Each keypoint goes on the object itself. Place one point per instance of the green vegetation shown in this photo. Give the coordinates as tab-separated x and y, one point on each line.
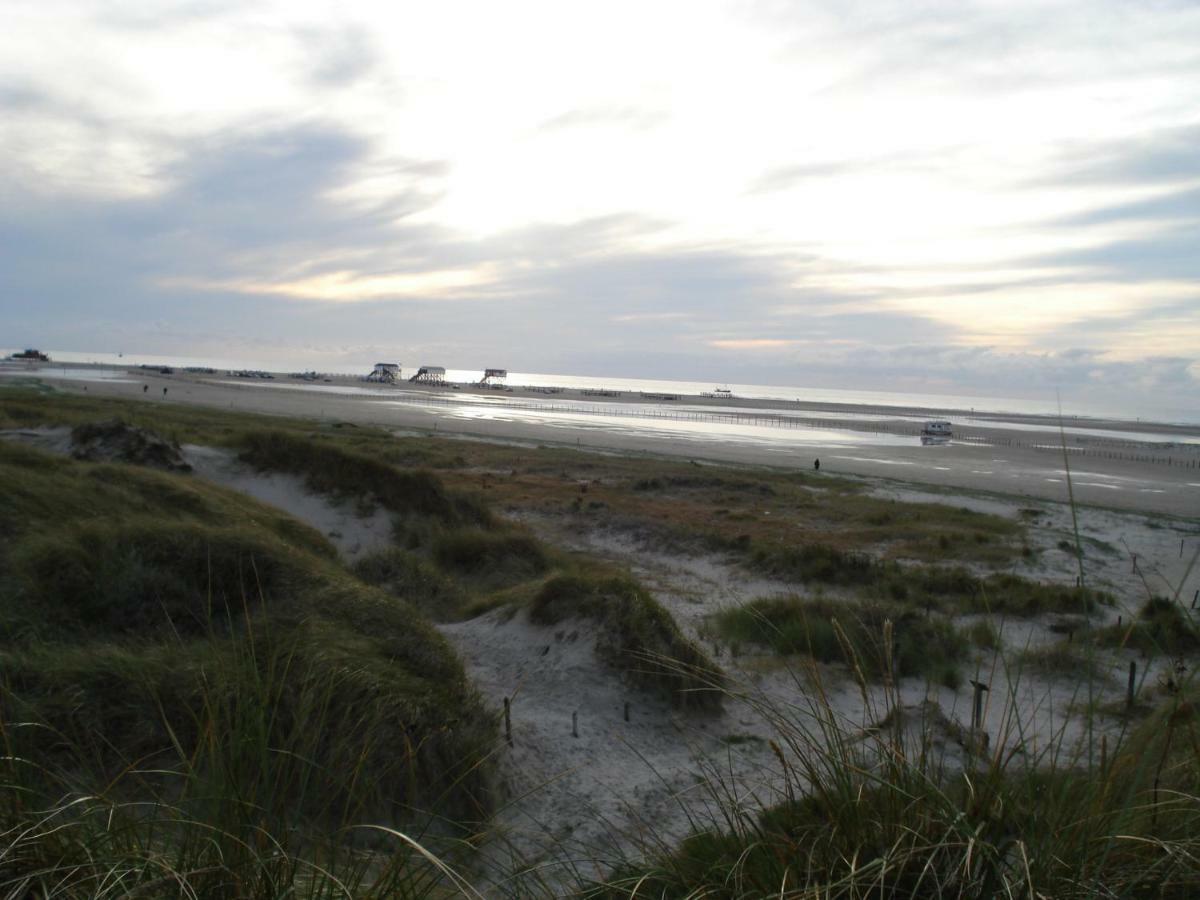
1002	833
197	699
413	578
193	607
636	634
951	589
331	469
852	633
1064	659
1162	627
494	560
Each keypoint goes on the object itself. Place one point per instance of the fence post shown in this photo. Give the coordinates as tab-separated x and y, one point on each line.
977	710
1129	689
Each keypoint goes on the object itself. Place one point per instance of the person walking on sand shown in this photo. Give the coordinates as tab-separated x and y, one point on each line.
145	387
164	392
817	465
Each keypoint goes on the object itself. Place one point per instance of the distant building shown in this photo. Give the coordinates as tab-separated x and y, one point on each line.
493	377
385	373
32	356
430	375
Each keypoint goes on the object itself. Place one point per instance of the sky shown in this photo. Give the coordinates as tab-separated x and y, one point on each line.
994	198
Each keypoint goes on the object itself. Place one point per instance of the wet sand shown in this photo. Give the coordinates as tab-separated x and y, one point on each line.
1112	462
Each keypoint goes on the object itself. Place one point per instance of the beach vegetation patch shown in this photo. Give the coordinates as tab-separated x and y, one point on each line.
1162	626
853	633
636	635
415	579
156	622
331	469
949	588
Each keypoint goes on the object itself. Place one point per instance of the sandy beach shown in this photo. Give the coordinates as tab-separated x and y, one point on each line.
1136	466
596	765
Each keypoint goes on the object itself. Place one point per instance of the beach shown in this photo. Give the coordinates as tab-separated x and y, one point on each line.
1136	466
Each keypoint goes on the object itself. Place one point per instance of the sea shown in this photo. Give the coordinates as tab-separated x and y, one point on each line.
1171	410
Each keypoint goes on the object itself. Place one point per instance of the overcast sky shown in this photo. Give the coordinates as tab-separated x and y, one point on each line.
996	197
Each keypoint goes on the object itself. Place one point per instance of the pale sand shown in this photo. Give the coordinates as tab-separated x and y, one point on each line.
619	781
1118	483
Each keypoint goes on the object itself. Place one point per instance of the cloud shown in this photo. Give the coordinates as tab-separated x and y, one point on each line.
632	117
337	57
754	343
1168	207
1162	156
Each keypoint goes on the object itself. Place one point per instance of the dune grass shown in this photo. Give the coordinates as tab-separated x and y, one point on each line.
1162	627
636	634
851	633
948	588
142	598
162	739
331	469
880	814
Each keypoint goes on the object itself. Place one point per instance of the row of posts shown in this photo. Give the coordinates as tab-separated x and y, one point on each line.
793	422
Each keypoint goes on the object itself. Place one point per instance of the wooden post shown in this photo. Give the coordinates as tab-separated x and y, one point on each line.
977	711
508	721
626	710
575	724
1132	680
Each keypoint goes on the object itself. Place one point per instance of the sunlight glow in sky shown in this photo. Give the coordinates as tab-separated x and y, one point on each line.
1009	190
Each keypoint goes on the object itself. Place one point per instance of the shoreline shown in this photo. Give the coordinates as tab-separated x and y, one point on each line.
869	441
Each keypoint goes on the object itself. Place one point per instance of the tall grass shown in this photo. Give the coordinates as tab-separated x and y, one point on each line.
852	633
635	634
922	807
332	469
262	790
948	588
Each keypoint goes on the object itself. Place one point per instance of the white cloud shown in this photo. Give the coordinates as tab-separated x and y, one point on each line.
959	164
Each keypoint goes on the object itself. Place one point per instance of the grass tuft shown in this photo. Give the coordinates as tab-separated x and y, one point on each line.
331	469
636	635
926	646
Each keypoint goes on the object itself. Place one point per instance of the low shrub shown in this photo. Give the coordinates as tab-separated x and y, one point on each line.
415	579
1162	627
331	469
637	635
928	646
950	588
490	559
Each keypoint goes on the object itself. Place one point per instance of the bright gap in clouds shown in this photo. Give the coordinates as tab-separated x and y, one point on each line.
640	178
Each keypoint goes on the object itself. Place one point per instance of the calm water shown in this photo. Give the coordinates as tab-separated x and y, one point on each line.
743	392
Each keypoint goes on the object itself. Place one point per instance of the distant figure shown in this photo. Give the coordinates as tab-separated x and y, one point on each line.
145	387
164	392
817	465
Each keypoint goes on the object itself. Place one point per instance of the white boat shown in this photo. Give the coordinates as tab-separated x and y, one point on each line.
719	394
